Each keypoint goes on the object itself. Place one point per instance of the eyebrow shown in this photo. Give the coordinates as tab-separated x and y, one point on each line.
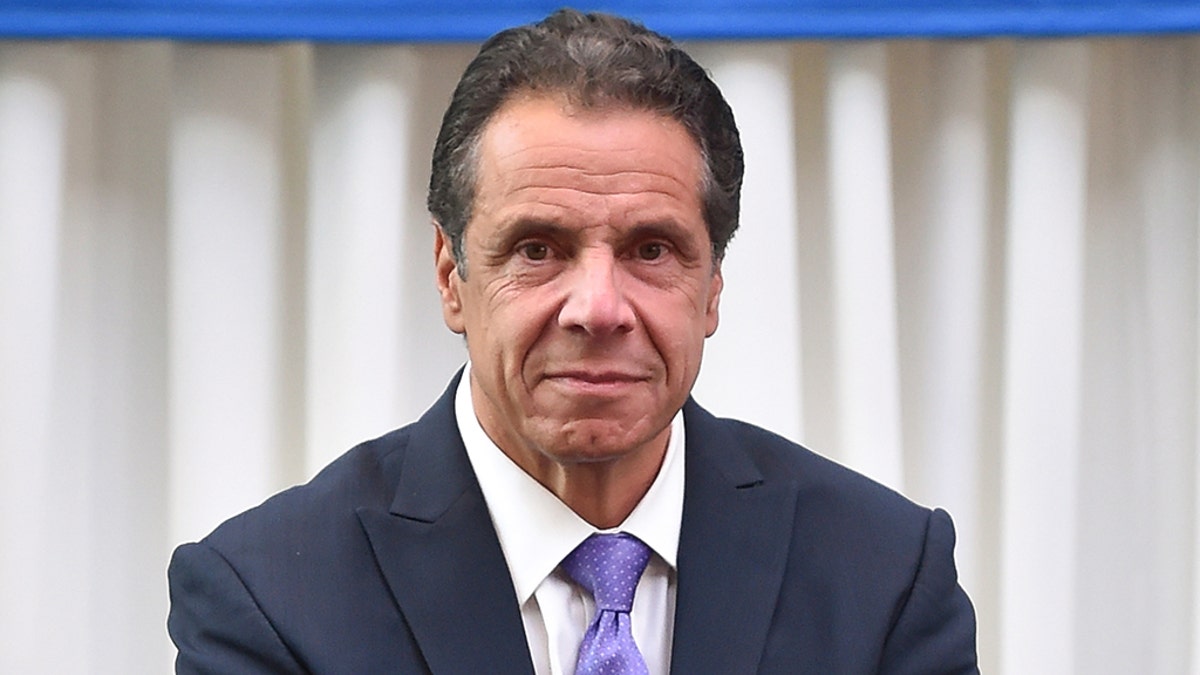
517	229
668	229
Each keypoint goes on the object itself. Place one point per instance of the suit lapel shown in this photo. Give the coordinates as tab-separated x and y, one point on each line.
733	549
439	553
442	561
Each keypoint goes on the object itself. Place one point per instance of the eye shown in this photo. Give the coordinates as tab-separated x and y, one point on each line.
534	250
652	250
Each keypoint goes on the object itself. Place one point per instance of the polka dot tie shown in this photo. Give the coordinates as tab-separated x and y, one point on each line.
609	566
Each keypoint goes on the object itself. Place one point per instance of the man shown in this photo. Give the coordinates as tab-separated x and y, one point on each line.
585	184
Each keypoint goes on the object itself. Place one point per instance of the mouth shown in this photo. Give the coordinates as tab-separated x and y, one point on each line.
595	381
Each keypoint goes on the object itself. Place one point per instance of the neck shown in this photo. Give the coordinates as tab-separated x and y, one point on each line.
600	482
603	493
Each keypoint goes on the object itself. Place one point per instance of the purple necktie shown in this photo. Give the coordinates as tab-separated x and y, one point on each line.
609	566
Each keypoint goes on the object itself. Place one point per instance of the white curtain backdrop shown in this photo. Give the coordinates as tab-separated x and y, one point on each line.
968	269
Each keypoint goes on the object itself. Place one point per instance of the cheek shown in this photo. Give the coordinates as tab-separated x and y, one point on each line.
515	325
676	326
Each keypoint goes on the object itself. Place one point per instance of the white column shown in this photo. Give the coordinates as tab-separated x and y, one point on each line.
360	161
864	290
1161	402
1192	102
752	365
82	396
431	353
374	360
33	122
818	341
227	295
946	276
1042	355
127	299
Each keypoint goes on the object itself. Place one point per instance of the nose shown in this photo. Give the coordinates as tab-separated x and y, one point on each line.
596	301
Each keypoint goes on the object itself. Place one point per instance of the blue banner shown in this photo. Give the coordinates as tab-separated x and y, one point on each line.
473	20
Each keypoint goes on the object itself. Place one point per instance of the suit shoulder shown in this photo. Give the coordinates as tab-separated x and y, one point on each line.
294	575
839	492
871	570
364	476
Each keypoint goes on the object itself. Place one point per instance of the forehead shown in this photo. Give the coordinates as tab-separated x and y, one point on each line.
547	145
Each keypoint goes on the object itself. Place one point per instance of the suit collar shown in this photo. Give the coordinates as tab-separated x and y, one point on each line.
439	554
733	548
443	563
436	471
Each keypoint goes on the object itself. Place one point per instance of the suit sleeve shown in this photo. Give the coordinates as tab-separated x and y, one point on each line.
934	632
216	623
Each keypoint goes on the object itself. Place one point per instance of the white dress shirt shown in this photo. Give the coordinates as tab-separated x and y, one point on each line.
537	531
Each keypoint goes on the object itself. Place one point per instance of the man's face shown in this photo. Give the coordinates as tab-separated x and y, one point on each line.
590	281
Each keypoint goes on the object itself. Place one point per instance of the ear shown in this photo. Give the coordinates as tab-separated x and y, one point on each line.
449	283
714	300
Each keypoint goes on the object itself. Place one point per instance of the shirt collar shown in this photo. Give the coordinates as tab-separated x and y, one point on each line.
536	529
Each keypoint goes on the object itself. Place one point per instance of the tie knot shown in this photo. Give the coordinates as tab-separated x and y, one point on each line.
609	566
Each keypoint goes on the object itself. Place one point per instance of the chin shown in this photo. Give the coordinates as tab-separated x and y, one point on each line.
590	441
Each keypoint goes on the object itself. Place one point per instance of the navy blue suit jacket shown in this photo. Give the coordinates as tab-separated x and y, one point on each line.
387	562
